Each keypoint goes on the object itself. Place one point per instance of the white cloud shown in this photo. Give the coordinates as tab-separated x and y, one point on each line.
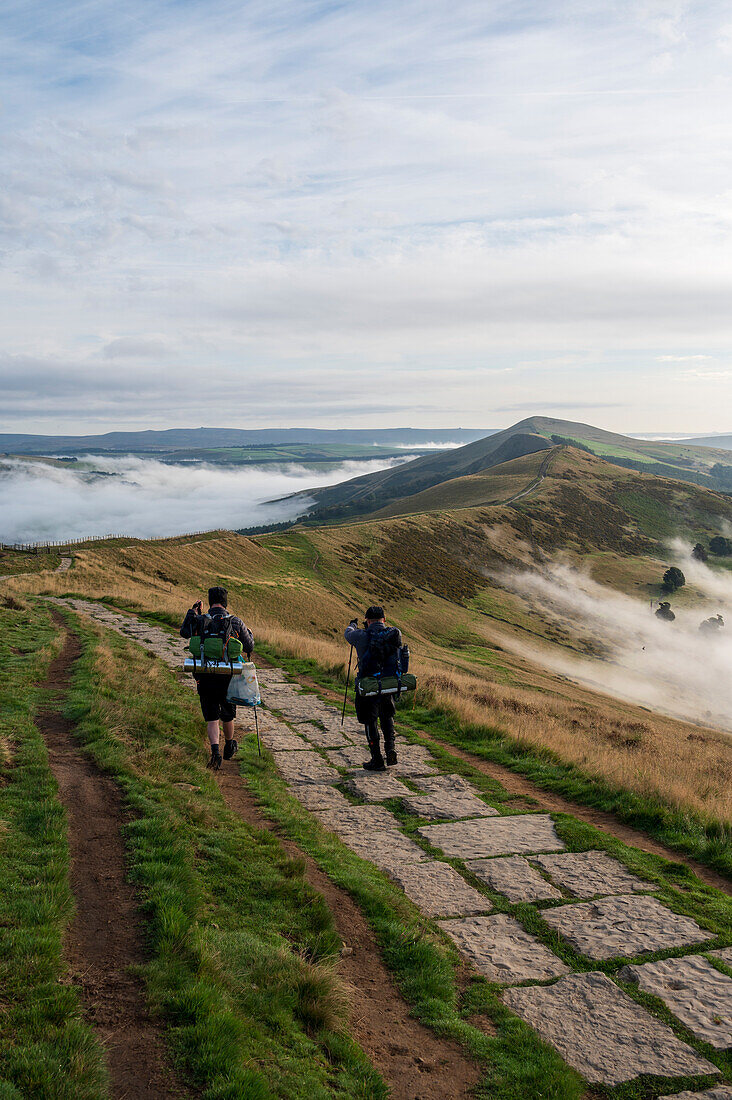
270	189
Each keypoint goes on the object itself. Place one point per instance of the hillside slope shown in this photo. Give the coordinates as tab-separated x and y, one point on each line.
498	484
365	494
497	654
373	493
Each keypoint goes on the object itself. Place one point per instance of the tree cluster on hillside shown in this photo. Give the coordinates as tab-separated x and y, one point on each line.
720	546
673	578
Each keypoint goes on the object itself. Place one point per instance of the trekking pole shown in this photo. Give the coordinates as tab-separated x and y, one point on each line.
348	679
256	726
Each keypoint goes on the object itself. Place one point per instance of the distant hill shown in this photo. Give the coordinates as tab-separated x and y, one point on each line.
391	490
720	441
372	491
172	439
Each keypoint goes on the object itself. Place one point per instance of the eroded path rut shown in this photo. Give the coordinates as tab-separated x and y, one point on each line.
104	941
595	907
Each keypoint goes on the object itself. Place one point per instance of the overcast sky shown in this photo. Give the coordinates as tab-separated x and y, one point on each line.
379	212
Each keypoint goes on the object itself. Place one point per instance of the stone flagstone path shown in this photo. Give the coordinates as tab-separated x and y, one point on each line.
595	1026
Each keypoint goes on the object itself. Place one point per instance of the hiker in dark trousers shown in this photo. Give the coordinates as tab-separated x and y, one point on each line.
376	710
212	687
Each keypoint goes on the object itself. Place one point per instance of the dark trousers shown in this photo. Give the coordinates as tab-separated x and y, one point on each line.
374	711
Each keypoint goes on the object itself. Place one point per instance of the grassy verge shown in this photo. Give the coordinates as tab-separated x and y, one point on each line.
47	1050
242	950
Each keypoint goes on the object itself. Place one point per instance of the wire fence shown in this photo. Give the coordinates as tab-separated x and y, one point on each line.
48	547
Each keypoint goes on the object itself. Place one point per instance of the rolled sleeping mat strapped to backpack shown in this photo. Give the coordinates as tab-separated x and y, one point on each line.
244	687
367	686
213	659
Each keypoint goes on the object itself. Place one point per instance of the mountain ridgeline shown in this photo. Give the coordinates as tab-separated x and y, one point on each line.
460	474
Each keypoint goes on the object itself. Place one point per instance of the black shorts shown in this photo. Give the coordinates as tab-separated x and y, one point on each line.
212	693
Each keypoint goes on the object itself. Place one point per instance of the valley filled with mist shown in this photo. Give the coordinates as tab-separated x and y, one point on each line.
143	497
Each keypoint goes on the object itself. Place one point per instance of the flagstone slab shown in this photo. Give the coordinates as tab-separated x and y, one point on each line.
623	926
602	1033
694	990
721	1092
413	759
324	739
587	874
441	804
304	767
282	740
376	786
385	848
724	953
319	796
514	877
348	818
446	781
503	951
495	836
439	891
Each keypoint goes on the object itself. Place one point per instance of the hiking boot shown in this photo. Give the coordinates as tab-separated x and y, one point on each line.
391	757
229	749
215	760
375	764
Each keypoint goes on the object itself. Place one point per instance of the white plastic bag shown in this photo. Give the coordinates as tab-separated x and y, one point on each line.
244	689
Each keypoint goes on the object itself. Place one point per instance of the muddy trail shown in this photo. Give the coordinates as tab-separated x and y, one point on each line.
104	940
415	1063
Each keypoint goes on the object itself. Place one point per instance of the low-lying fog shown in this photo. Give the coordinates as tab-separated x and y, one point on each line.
143	497
672	667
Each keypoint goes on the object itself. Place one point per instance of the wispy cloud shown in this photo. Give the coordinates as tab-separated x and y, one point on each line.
277	189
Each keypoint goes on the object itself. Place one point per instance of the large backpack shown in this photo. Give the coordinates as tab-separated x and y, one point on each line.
214	641
383	652
382	668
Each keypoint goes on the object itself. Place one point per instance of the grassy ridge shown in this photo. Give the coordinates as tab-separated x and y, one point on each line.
47	1050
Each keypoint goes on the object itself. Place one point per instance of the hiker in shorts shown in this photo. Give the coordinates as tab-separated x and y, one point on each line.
212	687
377	647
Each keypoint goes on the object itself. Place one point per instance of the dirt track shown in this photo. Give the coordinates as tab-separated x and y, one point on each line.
104	939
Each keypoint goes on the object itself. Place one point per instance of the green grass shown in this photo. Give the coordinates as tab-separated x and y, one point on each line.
241	949
47	1050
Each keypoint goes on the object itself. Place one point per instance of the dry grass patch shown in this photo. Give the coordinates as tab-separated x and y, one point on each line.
687	769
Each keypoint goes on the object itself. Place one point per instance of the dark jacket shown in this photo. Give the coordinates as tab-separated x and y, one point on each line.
193	622
360	640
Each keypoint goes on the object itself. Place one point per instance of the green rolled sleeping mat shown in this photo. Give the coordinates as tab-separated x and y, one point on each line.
213	649
367	686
